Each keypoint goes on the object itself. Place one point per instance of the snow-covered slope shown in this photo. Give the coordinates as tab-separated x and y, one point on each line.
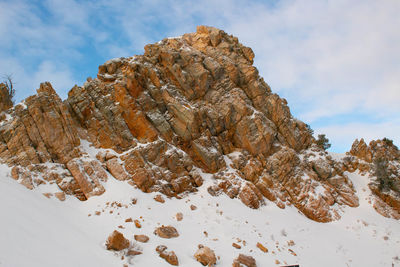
37	231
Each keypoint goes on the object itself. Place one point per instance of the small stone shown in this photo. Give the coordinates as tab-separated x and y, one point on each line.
141	238
137	224
179	216
236	246
133	253
129	220
166	232
48	195
205	256
117	241
245	260
159	198
292	252
97	213
193	207
262	248
60	196
170	256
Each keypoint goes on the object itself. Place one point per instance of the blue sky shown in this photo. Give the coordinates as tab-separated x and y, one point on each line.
336	62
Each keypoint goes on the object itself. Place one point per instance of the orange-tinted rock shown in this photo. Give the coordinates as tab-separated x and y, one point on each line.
262	248
189	104
169	256
60	196
205	256
141	238
159	198
87	174
117	241
137	224
236	246
248	261
179	216
166	232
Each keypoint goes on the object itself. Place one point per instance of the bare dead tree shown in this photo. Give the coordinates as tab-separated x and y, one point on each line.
7	92
8	82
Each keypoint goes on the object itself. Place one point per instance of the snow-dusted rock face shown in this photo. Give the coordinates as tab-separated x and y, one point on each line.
381	161
189	105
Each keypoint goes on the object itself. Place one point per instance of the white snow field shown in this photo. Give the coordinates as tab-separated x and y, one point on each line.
37	231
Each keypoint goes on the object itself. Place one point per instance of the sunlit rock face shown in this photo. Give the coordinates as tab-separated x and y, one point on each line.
190	104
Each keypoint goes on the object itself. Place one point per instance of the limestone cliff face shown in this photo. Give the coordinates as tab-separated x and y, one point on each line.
190	104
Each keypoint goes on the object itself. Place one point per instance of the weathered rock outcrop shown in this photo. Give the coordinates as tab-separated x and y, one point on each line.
190	104
381	161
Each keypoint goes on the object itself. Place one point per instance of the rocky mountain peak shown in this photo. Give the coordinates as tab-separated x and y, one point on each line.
190	105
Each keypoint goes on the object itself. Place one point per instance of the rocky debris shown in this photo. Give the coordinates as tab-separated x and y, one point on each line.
88	175
261	247
60	196
128	220
193	207
159	198
179	216
205	256
166	232
137	224
141	238
245	260
236	246
132	252
169	256
117	241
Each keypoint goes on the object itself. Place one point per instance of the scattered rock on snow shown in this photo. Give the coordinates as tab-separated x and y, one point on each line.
137	224
169	256
117	241
166	232
261	247
159	198
245	260
179	216
205	256
141	238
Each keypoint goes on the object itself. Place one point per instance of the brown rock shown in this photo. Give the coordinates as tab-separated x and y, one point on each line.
262	248
236	246
137	224
245	260
141	238
205	256
133	252
188	101
251	196
87	174
60	196
179	216
129	220
117	241
166	232
159	198
116	169
193	207
170	256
